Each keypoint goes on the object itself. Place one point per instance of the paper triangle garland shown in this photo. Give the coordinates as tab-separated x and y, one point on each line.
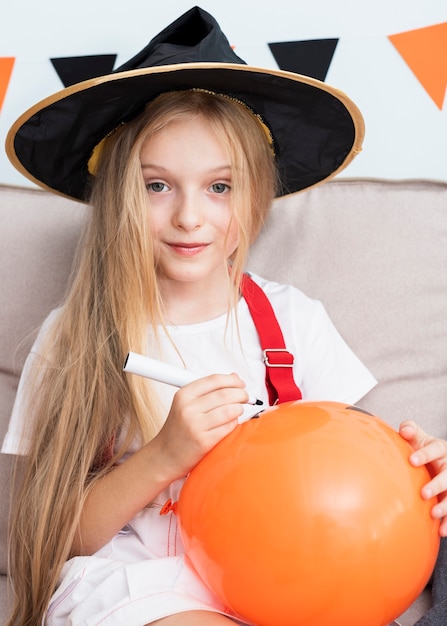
424	50
311	57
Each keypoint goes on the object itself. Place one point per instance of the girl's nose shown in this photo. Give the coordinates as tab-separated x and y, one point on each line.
188	215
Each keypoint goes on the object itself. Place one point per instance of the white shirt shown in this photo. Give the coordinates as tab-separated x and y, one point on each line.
325	368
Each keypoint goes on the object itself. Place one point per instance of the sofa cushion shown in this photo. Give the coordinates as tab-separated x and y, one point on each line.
39	234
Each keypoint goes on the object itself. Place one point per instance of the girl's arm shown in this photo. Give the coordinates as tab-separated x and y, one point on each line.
202	413
433	453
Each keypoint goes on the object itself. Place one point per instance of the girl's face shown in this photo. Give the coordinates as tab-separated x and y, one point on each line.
187	173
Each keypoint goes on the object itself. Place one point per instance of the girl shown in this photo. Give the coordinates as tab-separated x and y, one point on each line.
178	192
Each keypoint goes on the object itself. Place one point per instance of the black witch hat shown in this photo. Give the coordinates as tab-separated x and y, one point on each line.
317	130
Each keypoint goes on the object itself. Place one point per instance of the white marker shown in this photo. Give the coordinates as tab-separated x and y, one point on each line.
164	373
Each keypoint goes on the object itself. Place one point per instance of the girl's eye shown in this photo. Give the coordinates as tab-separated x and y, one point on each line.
219	188
157	187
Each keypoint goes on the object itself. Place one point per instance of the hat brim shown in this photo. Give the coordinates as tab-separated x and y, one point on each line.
317	129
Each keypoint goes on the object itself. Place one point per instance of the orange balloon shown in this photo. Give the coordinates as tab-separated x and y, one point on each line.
310	515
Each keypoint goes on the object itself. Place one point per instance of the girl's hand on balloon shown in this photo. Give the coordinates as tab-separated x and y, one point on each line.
202	413
431	452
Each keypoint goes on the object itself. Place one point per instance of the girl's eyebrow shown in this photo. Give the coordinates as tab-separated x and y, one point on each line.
156	166
145	166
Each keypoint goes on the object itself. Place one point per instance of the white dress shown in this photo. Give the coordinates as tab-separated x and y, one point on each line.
141	574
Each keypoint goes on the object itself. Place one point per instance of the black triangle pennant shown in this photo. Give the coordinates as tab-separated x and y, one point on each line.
73	70
311	58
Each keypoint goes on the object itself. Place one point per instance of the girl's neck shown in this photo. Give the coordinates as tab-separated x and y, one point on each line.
192	303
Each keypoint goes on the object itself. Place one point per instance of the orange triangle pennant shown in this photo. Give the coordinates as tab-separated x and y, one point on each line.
6	65
425	52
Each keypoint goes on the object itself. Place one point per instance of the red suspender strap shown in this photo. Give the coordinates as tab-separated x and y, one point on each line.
278	361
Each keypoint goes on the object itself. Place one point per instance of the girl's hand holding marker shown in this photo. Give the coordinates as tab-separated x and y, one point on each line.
178	377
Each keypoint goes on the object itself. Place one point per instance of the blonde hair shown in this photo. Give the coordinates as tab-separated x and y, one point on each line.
82	400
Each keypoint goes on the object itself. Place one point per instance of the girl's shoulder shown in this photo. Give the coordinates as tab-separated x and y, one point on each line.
45	328
284	293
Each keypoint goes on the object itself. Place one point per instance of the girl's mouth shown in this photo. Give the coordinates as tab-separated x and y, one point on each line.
188	249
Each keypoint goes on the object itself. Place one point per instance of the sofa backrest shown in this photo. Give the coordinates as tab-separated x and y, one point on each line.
374	252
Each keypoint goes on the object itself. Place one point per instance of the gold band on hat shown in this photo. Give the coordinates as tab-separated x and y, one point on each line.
92	163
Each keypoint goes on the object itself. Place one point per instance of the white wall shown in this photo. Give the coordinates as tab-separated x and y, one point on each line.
406	133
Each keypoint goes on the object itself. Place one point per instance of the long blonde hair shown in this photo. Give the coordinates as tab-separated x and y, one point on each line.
81	399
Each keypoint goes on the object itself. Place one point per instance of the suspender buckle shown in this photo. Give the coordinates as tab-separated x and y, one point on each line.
278	357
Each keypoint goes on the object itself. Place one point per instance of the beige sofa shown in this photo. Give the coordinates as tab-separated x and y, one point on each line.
374	252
